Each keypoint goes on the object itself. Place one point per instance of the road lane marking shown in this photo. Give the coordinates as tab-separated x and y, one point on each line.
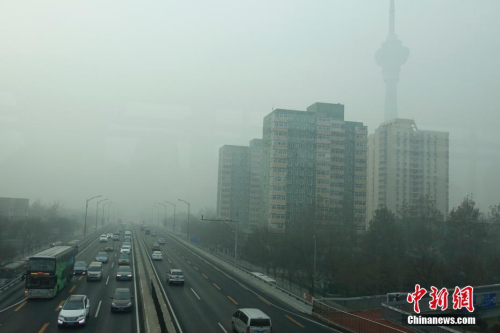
107	280
44	327
112	264
189	262
72	289
243	286
98	307
13	305
228	276
264	300
216	286
169	260
196	268
20	306
294	321
195	294
222	328
232	300
80	278
206	277
59	306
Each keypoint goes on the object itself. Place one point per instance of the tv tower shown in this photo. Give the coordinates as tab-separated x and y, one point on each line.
391	56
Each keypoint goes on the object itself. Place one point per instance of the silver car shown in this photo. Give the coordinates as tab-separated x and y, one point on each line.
74	312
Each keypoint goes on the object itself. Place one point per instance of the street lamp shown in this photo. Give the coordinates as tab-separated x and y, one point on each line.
165	206
103	209
173	228
314	269
97	212
189	212
235	233
86	209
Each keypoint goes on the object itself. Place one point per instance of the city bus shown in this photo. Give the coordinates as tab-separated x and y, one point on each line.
49	272
11	272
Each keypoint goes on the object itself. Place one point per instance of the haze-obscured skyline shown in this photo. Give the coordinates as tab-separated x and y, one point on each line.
133	100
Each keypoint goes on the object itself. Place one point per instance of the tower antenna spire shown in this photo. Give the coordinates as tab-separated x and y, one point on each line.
392	29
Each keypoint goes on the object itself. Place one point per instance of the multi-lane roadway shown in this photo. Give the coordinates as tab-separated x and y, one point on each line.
40	315
205	303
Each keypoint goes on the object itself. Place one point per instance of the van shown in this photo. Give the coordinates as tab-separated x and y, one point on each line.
251	321
128	233
94	271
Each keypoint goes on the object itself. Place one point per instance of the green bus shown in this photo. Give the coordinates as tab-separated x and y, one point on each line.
49	271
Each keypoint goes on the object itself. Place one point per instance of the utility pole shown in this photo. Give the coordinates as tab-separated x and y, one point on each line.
235	231
86	209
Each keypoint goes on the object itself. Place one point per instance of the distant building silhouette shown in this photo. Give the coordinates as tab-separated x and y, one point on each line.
391	56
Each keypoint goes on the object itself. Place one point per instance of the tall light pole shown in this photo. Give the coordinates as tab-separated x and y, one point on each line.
86	209
103	209
164	206
173	228
235	233
189	212
314	268
97	211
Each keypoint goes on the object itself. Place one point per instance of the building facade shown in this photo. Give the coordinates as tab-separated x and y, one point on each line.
14	208
313	168
406	164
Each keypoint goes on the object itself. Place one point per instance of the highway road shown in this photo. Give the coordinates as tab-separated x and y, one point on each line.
40	315
211	295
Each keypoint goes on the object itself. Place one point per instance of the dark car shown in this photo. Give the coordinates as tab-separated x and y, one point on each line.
80	268
121	300
102	257
124	273
109	247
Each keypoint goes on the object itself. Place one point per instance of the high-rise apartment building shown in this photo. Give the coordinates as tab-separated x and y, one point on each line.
405	164
239	185
254	209
314	165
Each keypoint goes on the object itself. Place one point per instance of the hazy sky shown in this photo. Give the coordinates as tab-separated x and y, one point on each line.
132	99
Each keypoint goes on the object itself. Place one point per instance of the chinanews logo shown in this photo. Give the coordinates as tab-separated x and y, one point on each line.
462	298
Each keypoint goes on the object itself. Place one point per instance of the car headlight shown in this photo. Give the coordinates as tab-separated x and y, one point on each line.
130	275
129	304
113	304
59	321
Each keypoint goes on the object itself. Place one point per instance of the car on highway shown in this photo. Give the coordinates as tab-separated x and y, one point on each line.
109	247
116	236
103	238
80	268
175	275
123	259
74	312
161	241
156	247
251	320
121	300
153	233
124	273
110	235
126	249
127	244
94	271
157	255
102	257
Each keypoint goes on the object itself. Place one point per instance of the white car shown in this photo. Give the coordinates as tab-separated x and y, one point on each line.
126	249
157	255
175	276
75	311
103	239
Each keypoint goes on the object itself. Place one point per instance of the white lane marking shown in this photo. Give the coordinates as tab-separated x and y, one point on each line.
222	328
13	305
98	307
107	280
169	260
195	294
112	264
